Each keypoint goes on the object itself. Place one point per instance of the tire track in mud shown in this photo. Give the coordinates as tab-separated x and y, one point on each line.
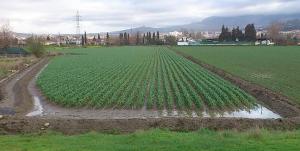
16	90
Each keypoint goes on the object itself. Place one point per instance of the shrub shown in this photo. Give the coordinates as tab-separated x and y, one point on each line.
36	46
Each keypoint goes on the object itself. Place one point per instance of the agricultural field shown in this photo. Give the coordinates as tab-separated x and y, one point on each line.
136	77
277	68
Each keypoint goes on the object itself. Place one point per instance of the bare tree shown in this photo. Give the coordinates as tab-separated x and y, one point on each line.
6	37
274	31
196	35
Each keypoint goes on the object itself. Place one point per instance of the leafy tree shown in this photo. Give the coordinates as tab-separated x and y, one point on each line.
234	34
148	38
137	38
144	39
250	33
99	39
225	34
107	39
82	40
85	38
125	38
153	38
128	39
222	35
121	38
240	35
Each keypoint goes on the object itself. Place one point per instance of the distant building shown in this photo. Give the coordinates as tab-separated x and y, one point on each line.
176	34
182	43
210	35
264	41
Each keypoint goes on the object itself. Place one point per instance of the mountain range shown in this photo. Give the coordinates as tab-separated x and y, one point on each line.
290	22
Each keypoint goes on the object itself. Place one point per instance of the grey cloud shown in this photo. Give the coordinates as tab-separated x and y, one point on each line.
101	15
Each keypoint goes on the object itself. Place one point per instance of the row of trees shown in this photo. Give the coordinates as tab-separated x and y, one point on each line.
237	35
124	38
84	40
149	38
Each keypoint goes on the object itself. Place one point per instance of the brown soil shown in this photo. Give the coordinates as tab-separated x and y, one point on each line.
274	101
74	126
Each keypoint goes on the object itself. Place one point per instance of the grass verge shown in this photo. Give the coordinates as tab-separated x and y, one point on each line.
258	140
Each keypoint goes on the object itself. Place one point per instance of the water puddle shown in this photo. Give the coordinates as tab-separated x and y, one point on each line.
259	112
37	105
37	109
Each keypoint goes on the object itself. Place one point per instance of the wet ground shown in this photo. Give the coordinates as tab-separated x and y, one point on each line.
32	111
24	98
43	108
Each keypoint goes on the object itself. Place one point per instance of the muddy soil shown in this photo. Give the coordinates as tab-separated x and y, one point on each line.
74	126
16	99
272	100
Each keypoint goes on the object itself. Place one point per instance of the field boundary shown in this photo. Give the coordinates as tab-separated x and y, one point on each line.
13	125
272	100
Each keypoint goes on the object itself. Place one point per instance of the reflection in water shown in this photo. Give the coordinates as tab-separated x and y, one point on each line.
259	112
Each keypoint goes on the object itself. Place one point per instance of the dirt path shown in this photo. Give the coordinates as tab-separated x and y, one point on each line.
16	98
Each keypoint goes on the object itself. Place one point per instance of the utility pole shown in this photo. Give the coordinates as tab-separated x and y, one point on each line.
77	19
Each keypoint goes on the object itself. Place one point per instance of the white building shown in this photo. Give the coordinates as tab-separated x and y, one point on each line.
182	43
176	34
264	42
210	35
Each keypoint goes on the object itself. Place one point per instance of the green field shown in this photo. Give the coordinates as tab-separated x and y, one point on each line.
277	68
131	77
153	140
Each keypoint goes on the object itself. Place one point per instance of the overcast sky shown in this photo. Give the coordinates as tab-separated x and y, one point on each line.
54	16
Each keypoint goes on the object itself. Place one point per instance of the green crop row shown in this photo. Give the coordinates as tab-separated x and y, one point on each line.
136	77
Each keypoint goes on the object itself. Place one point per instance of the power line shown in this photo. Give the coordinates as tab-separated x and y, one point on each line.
77	20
